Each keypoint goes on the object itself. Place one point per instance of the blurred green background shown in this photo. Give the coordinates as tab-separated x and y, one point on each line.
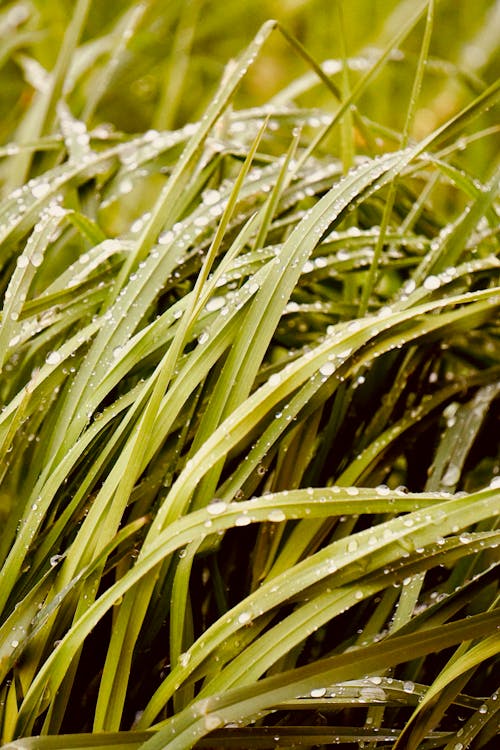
166	72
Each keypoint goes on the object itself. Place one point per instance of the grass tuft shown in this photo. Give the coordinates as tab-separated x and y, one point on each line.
250	359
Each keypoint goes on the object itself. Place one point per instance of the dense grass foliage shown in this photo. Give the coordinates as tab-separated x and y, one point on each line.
250	468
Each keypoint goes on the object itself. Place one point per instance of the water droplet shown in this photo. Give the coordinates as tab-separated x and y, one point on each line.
137	225
40	190
451	476
215	304
327	369
166	237
126	185
276	515
244	618
410	286
210	197
14	644
432	282
318	692
216	507
201	221
53	358
242	521
408	686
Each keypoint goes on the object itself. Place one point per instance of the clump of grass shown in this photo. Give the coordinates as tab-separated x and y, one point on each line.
250	378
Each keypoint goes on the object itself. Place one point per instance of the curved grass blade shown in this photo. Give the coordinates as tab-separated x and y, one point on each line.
183	531
186	728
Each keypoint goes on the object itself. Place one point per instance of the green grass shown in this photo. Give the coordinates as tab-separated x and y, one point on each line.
250	466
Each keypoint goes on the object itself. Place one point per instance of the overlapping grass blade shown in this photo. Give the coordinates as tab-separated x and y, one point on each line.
191	401
187	727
